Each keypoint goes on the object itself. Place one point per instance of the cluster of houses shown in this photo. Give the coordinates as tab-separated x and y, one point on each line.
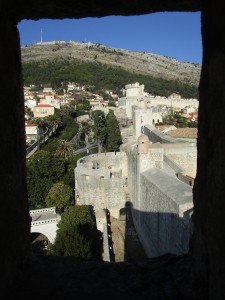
45	102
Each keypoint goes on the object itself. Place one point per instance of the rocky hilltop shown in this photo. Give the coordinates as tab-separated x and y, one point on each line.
135	61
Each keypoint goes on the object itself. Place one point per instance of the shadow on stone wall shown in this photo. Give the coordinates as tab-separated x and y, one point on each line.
152	234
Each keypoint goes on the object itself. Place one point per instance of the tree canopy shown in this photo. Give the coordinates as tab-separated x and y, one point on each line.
97	76
100	128
77	234
43	170
64	149
60	195
114	138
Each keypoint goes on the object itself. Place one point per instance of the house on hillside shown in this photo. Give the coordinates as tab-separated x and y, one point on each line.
43	110
48	90
32	132
51	100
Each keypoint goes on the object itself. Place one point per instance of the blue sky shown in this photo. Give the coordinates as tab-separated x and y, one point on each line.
176	35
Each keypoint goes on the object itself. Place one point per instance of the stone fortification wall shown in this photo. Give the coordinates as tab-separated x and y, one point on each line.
122	102
96	188
134	94
184	155
137	163
134	89
164	215
145	116
99	181
156	136
102	225
160	202
155	154
174	166
174	103
105	109
129	104
132	151
181	148
106	161
127	137
120	113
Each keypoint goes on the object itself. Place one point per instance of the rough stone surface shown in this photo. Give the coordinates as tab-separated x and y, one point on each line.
166	277
79	9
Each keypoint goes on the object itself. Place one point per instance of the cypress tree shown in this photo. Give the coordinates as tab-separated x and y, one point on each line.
114	138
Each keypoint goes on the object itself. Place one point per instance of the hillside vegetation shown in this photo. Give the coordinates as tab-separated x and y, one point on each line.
97	66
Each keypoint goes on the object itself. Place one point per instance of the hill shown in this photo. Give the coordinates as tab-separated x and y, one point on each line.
133	61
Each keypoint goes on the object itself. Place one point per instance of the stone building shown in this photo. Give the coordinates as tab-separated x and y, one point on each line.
134	95
99	181
43	110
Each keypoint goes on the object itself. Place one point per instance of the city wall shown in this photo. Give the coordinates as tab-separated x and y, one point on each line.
184	155
134	94
175	150
142	116
163	220
174	103
150	167
134	89
161	203
156	136
100	180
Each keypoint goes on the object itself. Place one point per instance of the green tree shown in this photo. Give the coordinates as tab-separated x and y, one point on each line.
101	77
41	123
86	128
53	121
100	128
192	124
43	170
114	138
69	109
77	234
60	195
112	103
64	149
